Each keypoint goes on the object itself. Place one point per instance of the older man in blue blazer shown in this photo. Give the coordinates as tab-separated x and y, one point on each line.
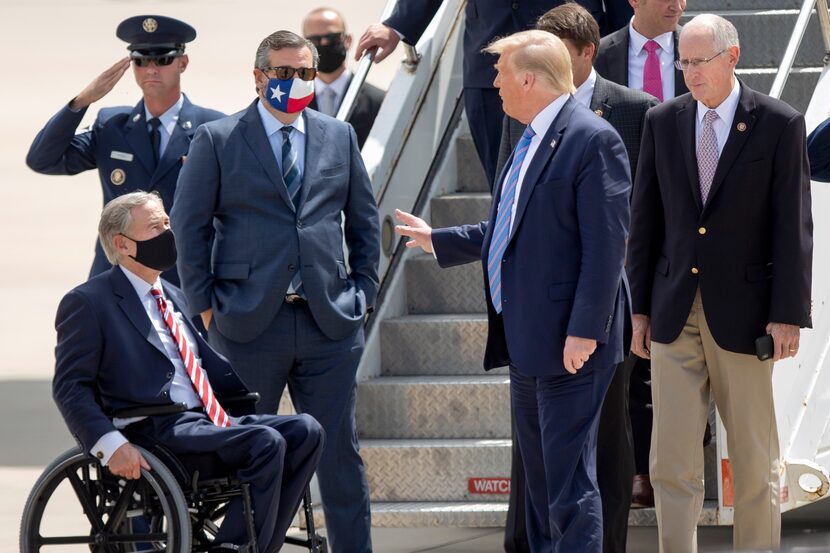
552	253
124	341
258	215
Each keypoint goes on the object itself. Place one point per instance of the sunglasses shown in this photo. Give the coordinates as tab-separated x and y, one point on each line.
330	37
160	61
285	72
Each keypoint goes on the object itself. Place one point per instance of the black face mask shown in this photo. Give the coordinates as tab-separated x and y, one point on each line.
157	253
332	56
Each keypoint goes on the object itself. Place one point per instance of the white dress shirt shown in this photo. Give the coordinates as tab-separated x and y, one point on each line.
726	114
585	91
337	87
168	123
637	55
540	125
273	131
181	388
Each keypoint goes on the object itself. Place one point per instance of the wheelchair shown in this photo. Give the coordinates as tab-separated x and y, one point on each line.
175	507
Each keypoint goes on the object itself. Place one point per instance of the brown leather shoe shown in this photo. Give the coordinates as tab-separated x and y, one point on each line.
642	494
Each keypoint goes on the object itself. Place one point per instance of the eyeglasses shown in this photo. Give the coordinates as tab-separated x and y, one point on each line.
160	61
331	38
694	63
285	72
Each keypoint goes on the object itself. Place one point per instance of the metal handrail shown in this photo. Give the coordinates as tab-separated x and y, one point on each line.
410	63
797	36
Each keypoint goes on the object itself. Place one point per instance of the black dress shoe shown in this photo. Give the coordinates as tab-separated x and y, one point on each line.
642	494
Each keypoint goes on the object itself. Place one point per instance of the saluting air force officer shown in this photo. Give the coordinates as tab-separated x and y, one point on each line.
133	148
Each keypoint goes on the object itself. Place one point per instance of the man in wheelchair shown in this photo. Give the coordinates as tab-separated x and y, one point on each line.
125	348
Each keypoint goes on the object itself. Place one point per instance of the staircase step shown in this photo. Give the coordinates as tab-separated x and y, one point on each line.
433	290
436	470
439	514
714	6
798	90
470	173
764	36
434	345
393	407
648	517
464	208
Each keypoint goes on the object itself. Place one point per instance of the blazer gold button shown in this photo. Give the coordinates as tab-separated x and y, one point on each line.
701	230
695	271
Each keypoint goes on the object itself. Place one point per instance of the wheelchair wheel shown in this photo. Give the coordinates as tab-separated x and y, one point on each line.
78	505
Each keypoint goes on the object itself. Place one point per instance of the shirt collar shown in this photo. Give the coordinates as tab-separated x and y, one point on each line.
141	286
338	85
544	119
585	91
726	109
168	117
638	41
273	125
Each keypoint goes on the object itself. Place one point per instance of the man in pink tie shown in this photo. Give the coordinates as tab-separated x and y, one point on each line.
720	255
125	342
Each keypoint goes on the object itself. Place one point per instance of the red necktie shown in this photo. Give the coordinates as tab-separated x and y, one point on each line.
194	370
652	77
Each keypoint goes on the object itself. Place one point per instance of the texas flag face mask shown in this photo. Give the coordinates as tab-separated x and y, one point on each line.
289	95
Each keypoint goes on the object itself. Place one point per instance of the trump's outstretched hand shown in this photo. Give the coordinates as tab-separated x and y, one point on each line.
416	229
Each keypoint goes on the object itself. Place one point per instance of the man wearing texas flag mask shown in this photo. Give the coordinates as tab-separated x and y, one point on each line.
258	223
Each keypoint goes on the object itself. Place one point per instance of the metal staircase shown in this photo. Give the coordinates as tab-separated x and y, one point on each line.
434	427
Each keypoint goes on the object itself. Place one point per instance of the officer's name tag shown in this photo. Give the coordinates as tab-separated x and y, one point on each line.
123	156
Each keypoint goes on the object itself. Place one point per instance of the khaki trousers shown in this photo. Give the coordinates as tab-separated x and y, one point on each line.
683	373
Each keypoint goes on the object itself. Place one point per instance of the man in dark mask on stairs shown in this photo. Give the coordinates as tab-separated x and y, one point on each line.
326	29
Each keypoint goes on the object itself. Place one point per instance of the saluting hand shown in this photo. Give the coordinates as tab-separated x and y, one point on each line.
102	84
577	352
380	37
415	228
127	462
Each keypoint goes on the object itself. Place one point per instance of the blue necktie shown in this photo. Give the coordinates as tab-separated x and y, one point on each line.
290	171
292	177
501	232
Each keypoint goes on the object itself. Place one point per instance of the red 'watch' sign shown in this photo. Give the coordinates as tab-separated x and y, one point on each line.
498	486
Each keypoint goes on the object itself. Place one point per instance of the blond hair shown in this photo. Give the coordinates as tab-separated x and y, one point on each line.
540	53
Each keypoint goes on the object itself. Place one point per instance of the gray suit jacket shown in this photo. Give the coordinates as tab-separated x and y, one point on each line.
241	240
623	108
612	59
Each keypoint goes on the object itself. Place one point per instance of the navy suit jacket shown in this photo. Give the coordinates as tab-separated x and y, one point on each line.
118	145
109	357
366	107
241	240
818	150
486	20
561	272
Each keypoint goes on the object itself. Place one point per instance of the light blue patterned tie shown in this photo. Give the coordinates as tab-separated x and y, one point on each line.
501	231
292	177
290	171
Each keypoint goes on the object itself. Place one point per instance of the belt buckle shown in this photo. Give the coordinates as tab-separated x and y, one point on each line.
293	298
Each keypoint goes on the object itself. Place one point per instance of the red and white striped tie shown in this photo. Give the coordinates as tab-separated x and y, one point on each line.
194	370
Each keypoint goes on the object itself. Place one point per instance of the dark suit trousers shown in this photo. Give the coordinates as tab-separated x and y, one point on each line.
275	455
615	470
320	374
642	414
485	115
557	420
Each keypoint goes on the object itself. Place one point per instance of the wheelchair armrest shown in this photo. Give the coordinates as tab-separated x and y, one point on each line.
149	410
236	401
